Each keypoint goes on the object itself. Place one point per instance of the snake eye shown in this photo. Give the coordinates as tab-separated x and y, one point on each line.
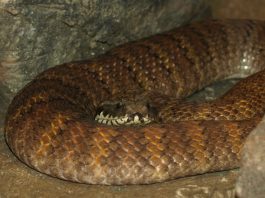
119	105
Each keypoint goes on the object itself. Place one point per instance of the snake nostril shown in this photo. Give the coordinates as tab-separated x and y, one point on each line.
151	109
149	105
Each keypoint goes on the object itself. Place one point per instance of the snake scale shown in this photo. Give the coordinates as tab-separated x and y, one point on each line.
50	124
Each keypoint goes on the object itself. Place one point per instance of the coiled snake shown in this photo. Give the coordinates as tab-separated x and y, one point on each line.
50	124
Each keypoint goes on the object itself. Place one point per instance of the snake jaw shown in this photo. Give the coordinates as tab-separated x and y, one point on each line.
124	112
134	119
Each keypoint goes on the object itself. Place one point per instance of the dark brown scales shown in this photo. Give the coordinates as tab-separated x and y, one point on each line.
50	127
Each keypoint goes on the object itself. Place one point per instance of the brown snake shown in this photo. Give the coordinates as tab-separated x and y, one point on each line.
50	123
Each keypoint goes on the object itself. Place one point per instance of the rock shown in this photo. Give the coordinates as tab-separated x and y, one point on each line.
252	173
36	35
238	9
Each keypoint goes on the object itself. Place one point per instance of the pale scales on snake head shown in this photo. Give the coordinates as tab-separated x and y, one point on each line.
50	123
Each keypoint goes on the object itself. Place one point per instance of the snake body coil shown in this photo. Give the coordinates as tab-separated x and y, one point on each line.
50	123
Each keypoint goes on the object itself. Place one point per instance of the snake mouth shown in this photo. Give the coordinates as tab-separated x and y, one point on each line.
133	119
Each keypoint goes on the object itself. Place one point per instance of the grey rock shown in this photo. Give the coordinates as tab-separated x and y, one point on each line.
39	34
5	95
213	91
252	173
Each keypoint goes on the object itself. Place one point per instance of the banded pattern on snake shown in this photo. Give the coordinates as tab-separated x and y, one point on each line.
50	123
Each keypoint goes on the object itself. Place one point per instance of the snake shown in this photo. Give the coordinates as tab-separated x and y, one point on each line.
122	117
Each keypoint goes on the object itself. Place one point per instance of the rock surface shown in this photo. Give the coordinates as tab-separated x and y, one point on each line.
36	35
253	9
251	182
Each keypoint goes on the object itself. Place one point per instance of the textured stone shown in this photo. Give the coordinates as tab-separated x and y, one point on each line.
36	35
253	9
252	173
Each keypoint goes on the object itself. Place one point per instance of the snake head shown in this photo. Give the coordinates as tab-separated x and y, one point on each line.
125	112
